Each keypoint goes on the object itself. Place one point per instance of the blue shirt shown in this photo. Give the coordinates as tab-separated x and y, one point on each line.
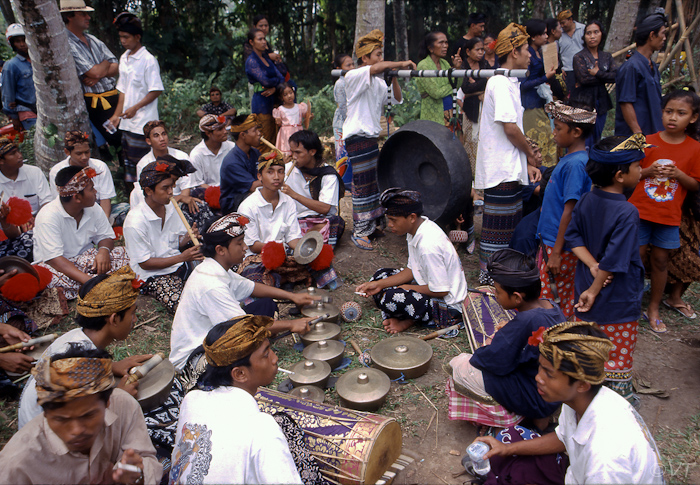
607	225
640	84
509	364
569	181
17	86
238	172
262	77
536	76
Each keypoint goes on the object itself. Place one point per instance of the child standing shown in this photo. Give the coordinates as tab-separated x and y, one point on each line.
289	116
603	236
569	181
670	169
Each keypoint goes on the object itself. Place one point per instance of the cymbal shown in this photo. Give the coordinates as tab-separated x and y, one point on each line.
310	372
321	308
321	331
9	263
155	386
331	351
363	389
311	393
405	355
308	247
313	291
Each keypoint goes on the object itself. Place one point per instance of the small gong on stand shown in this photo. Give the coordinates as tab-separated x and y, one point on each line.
322	307
311	393
409	356
331	351
363	389
308	248
321	331
310	372
313	291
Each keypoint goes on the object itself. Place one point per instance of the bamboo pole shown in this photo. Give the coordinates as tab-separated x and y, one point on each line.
194	239
633	45
688	49
679	44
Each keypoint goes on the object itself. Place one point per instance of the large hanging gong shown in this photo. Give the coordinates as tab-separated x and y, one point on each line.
395	356
427	157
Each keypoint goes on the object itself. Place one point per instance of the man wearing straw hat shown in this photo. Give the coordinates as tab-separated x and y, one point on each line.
88	432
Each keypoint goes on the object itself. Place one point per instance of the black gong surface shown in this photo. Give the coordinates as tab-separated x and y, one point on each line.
426	157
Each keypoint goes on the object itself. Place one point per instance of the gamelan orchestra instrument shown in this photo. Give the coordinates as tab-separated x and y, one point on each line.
351	447
40	344
155	378
310	393
483	315
363	389
329	351
322	307
194	239
310	372
321	331
472	73
308	247
402	356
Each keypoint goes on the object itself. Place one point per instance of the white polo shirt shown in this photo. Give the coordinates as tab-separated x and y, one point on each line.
30	184
146	239
137	196
103	182
211	296
609	444
57	233
329	194
208	164
434	262
139	74
266	224
497	159
366	95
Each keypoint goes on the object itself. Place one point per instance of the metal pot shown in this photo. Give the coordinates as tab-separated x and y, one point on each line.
395	356
310	372
363	389
331	351
321	331
310	393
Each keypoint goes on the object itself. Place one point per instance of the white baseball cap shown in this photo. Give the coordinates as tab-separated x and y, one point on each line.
14	30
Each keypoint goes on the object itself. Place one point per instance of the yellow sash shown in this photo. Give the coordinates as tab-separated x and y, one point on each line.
102	97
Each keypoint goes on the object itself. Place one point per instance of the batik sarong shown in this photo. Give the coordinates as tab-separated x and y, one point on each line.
564	280
21	246
363	154
503	210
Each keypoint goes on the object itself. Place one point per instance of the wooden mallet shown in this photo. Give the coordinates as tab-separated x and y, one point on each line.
195	241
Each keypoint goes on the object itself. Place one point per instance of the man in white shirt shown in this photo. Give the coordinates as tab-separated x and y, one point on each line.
504	159
77	148
570	44
214	293
72	236
214	443
210	152
20	180
432	287
139	86
605	438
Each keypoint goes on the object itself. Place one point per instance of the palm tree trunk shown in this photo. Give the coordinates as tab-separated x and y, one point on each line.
58	90
370	16
622	25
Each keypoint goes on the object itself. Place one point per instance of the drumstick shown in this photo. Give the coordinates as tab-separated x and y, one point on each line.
356	347
140	372
440	332
35	341
287	333
195	241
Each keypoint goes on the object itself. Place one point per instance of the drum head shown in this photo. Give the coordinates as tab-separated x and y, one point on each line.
9	263
155	386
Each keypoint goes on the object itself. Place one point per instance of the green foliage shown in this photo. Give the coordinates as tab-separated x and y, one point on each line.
409	110
322	106
27	146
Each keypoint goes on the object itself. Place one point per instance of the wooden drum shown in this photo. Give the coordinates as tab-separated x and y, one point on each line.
350	447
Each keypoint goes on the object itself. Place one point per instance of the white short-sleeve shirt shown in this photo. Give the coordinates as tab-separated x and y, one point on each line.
329	194
208	164
434	262
497	159
609	444
137	196
30	184
139	74
104	184
57	233
266	224
211	295
146	239
366	95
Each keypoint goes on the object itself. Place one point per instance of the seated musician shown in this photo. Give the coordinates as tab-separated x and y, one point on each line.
86	429
214	444
315	187
106	313
17	328
155	236
605	438
72	236
499	378
208	155
431	289
213	293
239	167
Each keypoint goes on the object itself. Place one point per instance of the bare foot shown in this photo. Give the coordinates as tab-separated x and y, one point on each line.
394	325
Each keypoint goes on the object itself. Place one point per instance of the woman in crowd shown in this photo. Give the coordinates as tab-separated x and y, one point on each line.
435	92
489	54
473	89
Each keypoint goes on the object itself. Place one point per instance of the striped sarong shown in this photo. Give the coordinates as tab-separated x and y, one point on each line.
363	154
503	210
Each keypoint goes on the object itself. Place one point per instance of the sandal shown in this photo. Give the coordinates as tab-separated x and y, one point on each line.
362	242
655	326
689	313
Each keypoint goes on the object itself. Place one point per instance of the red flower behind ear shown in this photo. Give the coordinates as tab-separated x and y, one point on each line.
273	255
324	259
243	220
20	211
537	337
212	196
90	172
492	45
221	119
21	287
162	167
137	283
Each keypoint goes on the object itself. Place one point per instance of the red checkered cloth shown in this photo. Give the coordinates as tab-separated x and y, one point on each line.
462	407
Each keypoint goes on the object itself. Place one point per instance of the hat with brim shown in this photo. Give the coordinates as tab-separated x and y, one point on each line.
75	6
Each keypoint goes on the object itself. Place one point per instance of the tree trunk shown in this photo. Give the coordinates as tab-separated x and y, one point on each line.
330	28
622	25
7	12
370	16
400	33
58	92
538	9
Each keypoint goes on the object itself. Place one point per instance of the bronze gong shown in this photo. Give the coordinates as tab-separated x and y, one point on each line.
331	351
9	263
154	387
320	308
308	247
321	331
310	372
363	389
409	356
310	393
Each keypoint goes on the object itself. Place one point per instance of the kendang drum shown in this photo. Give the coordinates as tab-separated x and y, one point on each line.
483	315
350	447
426	157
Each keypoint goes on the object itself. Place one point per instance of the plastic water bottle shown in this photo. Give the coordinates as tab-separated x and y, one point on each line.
476	452
109	127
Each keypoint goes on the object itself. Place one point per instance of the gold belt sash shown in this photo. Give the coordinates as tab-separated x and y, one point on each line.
102	97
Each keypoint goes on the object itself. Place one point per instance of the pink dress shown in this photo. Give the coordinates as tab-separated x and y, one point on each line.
291	123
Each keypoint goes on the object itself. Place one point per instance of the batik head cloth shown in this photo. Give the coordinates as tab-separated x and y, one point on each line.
512	268
243	338
629	151
565	14
6	146
399	202
111	295
75	137
368	43
269	159
211	123
164	167
585	353
569	114
232	224
510	38
246	125
68	379
77	183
